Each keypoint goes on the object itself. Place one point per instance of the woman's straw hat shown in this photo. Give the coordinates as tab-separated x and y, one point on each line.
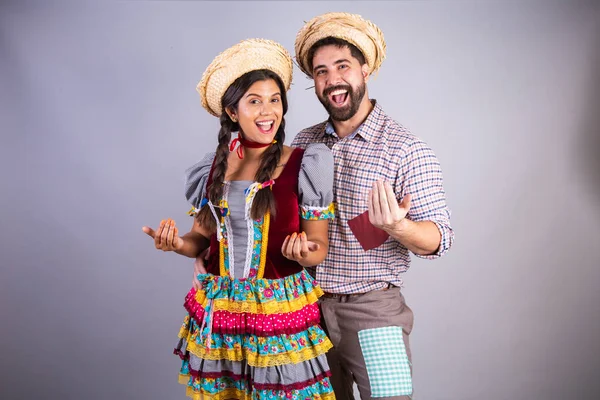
350	27
246	56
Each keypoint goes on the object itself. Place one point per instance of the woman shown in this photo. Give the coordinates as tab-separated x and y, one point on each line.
252	330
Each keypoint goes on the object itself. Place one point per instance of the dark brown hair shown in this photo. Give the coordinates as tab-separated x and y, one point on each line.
264	199
340	43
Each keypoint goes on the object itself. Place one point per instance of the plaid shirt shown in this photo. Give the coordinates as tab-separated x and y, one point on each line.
379	149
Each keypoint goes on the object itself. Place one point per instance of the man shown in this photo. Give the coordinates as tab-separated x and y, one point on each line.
390	200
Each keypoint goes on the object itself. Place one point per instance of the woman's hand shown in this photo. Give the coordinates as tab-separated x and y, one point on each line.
166	237
298	248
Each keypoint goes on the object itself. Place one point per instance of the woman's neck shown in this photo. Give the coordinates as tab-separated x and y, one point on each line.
244	147
251	154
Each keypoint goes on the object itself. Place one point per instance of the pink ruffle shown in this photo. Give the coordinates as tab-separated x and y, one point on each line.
225	322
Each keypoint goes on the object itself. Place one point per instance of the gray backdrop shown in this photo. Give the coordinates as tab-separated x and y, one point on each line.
99	119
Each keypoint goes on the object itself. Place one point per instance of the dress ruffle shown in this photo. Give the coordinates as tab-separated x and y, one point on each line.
239	330
210	389
261	296
258	324
200	373
258	351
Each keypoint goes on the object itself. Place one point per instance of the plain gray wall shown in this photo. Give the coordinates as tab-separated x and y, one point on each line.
99	118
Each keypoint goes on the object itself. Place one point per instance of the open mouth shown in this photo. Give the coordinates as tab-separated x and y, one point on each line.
339	97
266	127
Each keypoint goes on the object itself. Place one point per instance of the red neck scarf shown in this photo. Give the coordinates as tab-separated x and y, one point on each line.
246	143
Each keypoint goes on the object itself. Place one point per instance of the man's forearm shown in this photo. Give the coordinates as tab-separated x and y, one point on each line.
422	238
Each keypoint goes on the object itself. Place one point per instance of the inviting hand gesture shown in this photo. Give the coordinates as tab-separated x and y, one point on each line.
297	247
166	237
384	211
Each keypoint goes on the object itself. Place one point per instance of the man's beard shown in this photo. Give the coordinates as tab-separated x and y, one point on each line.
348	111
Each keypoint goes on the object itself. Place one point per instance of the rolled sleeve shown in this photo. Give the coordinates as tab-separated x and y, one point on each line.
421	177
446	241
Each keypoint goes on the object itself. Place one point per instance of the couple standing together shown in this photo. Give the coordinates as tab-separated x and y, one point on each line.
343	207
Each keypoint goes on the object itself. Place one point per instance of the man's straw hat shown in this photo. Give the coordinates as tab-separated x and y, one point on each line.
350	27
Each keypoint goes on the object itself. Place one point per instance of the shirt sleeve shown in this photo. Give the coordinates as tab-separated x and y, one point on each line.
315	183
421	177
196	177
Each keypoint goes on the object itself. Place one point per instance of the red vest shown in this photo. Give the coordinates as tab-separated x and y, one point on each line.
286	222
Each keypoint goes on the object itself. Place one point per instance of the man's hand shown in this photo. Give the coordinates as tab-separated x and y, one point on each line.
384	211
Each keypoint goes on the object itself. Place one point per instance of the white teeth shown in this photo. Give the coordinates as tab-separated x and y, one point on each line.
340	91
265	123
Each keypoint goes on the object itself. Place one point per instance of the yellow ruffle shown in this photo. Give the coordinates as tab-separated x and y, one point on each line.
258	360
232	393
271	307
185	328
225	394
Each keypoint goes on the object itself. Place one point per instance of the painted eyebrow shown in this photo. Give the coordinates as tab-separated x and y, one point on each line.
343	60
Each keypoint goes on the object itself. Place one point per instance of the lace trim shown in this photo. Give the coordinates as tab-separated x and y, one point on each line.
259	360
225	394
218	221
229	268
248	380
263	245
223	255
270	307
249	246
238	394
226	264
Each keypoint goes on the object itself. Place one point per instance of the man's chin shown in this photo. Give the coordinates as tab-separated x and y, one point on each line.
340	114
340	118
337	113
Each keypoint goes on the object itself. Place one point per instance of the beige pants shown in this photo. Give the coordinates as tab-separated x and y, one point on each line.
343	318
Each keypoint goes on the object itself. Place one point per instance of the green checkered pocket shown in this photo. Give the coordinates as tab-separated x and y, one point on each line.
386	360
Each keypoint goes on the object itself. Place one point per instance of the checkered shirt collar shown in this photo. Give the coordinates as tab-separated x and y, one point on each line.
367	130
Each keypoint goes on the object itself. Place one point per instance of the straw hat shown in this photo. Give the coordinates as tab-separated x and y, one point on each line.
246	56
350	27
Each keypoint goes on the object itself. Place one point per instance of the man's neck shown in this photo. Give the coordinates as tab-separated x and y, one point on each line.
345	128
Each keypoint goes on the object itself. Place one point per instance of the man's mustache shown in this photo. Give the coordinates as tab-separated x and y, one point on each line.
329	90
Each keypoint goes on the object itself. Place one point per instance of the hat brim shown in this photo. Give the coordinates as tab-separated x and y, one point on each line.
363	34
246	56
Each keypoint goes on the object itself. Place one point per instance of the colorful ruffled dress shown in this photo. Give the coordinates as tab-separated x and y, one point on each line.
252	329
